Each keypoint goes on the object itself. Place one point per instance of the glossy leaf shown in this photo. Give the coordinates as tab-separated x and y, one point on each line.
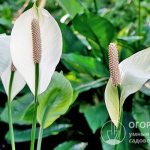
94	28
24	135
77	46
52	103
85	64
131	39
84	82
55	101
95	115
19	108
72	7
71	145
140	111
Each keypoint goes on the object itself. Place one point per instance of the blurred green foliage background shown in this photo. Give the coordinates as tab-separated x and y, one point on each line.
87	26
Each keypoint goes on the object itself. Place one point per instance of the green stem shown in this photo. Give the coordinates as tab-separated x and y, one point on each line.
41	129
40	138
33	132
118	134
9	111
95	5
139	21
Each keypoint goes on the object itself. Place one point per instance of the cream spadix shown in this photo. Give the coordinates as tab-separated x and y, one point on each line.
36	38
114	64
134	71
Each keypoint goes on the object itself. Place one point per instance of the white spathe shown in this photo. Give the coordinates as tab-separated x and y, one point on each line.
21	47
135	71
17	84
4	52
5	68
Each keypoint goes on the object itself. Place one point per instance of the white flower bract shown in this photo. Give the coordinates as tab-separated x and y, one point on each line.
5	65
135	71
22	47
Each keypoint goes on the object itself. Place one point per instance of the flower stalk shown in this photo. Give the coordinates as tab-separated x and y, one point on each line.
36	39
115	76
40	138
33	132
40	52
95	5
13	69
119	127
139	21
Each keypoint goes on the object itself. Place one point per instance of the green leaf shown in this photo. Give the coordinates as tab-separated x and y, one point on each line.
71	145
68	47
130	39
25	135
97	30
96	115
72	7
59	96
146	88
85	64
19	108
141	113
1	87
83	82
55	101
108	132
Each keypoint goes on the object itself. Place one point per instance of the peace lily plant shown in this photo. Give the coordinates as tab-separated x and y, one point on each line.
125	78
12	80
36	47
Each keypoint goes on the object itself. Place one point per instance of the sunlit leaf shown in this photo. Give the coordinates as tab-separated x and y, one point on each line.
72	7
55	101
83	82
77	46
85	64
95	28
